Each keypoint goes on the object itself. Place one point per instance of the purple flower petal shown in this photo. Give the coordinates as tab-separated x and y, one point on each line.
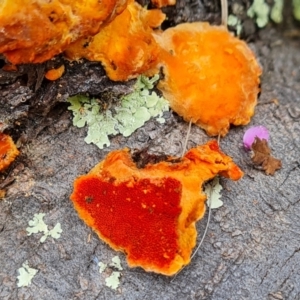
258	131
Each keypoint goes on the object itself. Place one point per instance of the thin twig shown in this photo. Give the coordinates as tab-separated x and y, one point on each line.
186	139
219	137
224	12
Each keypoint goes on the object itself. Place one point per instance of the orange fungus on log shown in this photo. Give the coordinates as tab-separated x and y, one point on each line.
162	3
8	151
150	213
34	31
210	77
54	74
125	46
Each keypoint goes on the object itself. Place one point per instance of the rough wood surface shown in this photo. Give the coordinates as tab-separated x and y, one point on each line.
252	248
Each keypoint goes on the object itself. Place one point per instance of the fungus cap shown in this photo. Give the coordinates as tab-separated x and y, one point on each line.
210	77
150	213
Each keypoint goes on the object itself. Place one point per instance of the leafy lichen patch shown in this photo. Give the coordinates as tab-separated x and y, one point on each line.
296	9
259	10
235	22
113	280
26	274
276	12
132	112
37	225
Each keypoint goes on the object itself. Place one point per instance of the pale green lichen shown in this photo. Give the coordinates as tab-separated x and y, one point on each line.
132	112
113	280
235	22
296	9
259	10
37	225
25	275
116	263
276	12
102	266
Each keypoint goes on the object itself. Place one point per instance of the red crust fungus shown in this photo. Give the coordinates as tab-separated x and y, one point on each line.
210	77
125	46
150	213
34	31
8	151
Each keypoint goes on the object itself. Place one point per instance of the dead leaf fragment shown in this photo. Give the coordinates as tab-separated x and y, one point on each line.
262	156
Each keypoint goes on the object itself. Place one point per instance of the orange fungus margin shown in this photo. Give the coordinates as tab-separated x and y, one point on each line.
8	151
150	213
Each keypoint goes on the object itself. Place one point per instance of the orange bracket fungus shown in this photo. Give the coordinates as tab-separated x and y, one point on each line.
125	46
150	213
8	151
34	31
210	77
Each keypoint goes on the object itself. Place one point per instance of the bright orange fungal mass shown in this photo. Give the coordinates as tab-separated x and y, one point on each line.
34	31
125	46
210	77
8	151
150	213
54	74
162	3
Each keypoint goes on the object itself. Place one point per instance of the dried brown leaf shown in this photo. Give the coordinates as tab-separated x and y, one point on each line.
262	156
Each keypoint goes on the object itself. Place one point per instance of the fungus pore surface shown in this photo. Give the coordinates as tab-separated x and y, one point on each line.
150	213
210	77
8	151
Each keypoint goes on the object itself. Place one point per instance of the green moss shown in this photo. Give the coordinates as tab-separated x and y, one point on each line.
132	112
